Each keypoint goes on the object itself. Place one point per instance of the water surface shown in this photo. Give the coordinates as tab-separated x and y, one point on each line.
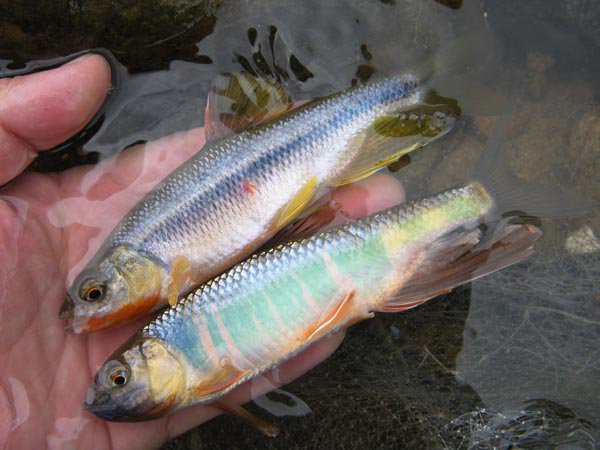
512	358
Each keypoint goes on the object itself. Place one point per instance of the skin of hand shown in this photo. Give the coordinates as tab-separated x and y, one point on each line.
50	224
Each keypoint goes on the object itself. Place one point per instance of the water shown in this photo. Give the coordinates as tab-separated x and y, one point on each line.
512	358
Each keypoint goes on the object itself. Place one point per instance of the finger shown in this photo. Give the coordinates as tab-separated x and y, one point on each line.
375	193
39	111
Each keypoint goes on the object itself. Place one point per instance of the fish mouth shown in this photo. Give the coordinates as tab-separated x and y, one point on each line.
105	409
67	310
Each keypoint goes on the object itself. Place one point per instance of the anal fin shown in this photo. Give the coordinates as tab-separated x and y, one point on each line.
235	410
456	260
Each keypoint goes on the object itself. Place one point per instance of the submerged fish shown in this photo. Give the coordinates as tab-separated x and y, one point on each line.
272	306
234	195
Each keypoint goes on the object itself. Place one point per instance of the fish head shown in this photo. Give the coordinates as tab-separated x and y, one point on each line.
143	380
114	289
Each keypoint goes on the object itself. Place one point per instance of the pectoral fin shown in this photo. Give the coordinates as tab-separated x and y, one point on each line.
225	380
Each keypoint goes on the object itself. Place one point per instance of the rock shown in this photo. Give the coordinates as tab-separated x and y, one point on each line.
584	150
539	62
456	165
582	241
485	124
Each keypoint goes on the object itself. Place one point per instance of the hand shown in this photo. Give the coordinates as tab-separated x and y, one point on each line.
50	224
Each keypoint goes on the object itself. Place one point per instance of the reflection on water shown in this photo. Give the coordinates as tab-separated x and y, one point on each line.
516	354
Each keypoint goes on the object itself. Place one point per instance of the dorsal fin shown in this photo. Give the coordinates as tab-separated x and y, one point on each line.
239	100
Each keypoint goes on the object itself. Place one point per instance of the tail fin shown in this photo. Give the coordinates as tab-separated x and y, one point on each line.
460	257
510	193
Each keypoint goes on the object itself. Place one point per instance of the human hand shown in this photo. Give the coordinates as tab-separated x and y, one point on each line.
50	224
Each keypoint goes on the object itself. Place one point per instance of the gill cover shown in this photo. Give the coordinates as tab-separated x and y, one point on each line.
143	380
116	288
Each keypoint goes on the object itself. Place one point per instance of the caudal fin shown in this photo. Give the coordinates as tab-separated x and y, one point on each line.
511	193
460	257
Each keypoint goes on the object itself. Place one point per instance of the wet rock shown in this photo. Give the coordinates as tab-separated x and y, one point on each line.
145	34
539	62
537	86
456	165
583	151
582	240
485	124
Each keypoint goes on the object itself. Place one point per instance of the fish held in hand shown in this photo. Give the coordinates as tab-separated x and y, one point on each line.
274	305
240	190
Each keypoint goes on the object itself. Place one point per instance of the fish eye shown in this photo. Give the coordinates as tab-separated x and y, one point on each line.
93	293
119	377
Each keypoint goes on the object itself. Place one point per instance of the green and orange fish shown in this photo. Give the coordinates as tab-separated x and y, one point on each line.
240	190
274	305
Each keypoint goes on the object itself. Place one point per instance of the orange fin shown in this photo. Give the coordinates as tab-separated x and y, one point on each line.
235	410
306	226
239	101
181	278
340	316
458	260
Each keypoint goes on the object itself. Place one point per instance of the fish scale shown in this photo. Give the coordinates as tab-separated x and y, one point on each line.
187	189
274	305
230	198
368	254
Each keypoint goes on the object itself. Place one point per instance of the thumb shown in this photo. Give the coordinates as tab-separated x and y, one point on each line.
41	110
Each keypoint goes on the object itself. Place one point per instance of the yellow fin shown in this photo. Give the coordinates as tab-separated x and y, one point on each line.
302	199
391	136
181	275
239	100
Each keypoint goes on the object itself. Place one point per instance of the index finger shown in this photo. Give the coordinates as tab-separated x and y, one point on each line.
41	110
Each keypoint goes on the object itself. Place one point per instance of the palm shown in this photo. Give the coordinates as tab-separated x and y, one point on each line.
49	225
48	370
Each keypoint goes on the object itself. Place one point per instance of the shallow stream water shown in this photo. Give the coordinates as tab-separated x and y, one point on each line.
511	359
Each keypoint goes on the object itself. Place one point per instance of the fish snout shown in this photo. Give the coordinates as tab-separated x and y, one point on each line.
99	402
